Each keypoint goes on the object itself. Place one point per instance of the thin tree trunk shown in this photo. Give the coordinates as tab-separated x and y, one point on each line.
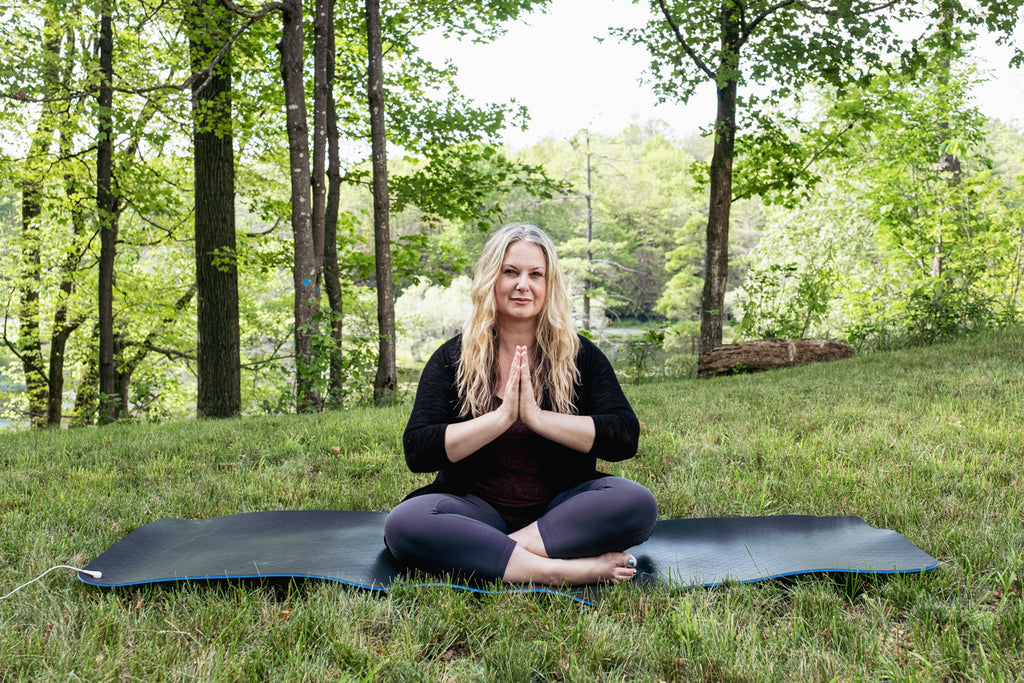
307	263
949	164
30	346
386	381
590	236
218	362
86	393
109	403
332	274
323	29
716	254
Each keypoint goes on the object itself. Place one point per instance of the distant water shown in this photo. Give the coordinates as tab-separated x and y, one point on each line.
9	426
10	388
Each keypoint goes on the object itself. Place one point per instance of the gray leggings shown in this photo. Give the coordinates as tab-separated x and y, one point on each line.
467	537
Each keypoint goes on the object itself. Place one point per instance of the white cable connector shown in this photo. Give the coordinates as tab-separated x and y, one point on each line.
94	574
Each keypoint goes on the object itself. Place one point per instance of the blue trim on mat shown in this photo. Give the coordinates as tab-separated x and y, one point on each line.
85	578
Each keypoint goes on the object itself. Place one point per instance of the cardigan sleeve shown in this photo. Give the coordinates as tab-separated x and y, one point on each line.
435	407
617	429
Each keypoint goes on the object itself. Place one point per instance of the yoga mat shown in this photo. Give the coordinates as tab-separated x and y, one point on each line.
685	553
348	547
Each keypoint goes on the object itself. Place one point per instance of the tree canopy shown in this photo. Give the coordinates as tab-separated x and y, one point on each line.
846	187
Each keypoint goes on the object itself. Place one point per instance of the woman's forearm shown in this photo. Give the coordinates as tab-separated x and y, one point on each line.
462	439
573	431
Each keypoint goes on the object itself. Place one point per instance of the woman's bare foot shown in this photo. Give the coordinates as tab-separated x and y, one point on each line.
526	567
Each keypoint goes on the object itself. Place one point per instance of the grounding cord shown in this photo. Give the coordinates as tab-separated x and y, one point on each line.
90	572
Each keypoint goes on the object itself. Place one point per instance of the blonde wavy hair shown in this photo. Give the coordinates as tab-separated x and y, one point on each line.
553	370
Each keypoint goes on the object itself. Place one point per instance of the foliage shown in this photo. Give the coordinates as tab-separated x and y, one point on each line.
921	442
636	203
13	399
757	63
783	302
912	237
640	351
681	297
48	91
466	183
450	184
942	229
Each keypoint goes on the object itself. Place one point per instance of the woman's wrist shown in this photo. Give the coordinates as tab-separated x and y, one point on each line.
575	431
506	417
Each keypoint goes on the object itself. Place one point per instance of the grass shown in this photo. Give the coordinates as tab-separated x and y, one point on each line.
927	442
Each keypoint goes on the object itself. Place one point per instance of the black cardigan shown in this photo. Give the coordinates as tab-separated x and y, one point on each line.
598	394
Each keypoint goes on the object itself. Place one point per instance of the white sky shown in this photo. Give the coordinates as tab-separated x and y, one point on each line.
552	64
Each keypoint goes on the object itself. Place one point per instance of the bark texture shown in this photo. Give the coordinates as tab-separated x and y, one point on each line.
769	354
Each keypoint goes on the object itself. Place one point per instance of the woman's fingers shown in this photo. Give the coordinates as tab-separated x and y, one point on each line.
519	397
528	408
524	369
510	402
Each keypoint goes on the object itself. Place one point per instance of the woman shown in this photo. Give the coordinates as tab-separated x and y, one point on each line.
512	414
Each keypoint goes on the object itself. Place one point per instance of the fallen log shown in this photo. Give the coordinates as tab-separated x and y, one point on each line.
768	354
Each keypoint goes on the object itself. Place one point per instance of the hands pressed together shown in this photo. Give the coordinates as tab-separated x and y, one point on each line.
520	402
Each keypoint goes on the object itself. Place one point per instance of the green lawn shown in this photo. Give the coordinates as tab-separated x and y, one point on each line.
928	442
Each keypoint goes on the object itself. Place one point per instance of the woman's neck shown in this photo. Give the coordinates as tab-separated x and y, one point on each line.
517	334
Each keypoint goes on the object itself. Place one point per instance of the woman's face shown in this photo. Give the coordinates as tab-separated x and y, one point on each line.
522	283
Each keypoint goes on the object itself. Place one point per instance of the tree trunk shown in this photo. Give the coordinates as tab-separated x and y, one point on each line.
590	237
949	164
30	345
218	362
109	403
716	254
323	28
386	381
307	264
332	274
62	330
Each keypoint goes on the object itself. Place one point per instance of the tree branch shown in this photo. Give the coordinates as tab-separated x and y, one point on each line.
169	354
772	9
833	13
683	42
764	14
615	264
20	356
250	14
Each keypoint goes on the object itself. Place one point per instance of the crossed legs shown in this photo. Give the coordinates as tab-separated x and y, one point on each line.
529	563
578	540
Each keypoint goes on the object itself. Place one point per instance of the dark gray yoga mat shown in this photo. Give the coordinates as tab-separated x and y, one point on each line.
348	547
